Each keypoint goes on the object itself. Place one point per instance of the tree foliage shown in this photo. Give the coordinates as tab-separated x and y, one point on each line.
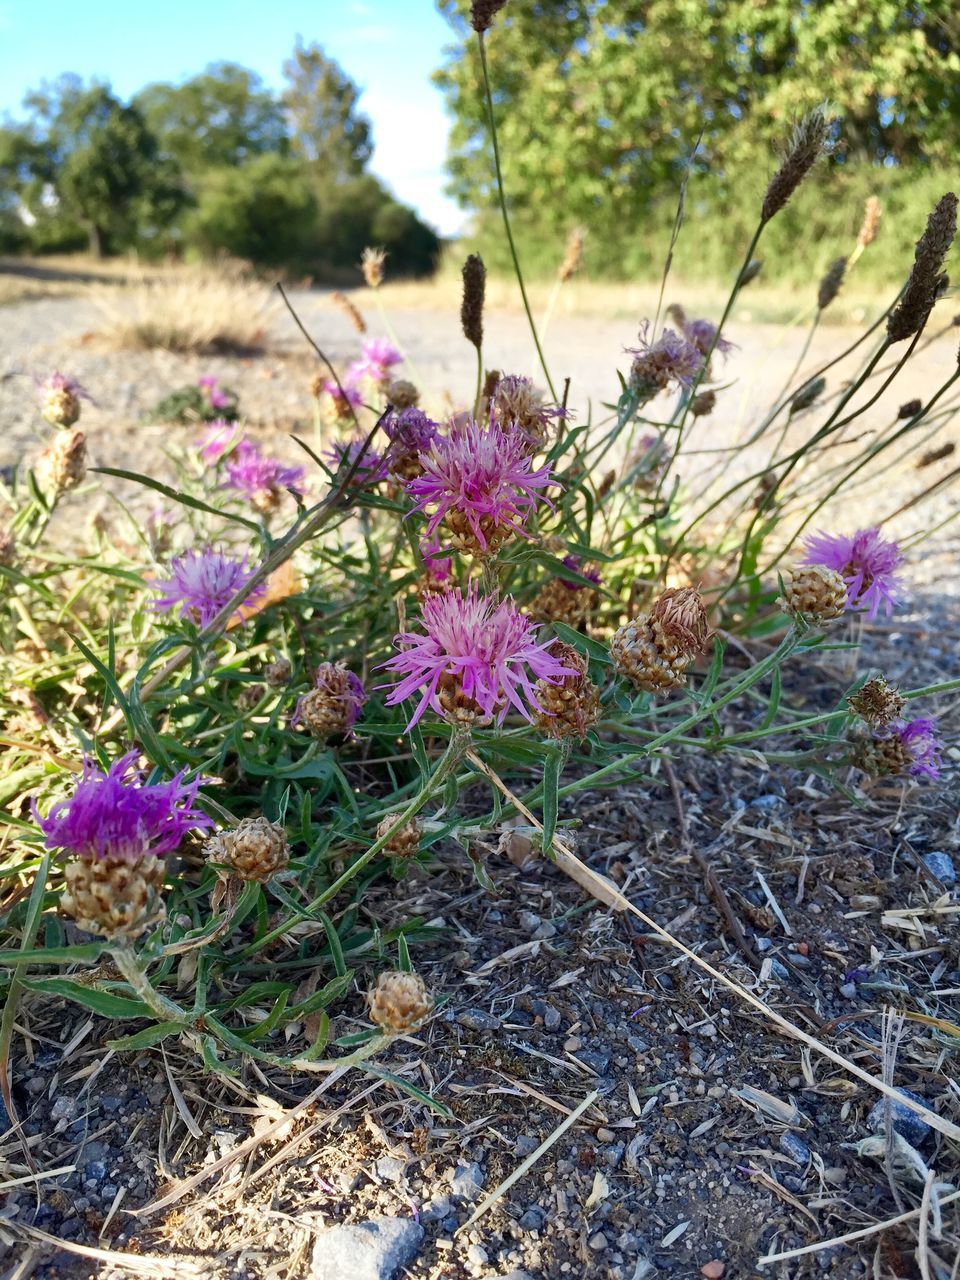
327	129
600	103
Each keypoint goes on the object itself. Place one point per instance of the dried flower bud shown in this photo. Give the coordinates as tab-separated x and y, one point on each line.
877	702
114	897
471	308
399	1002
816	592
871	222
909	409
751	271
808	144
482	13
372	262
402	394
349	308
654	651
831	282
926	279
881	756
331	708
703	403
62	465
568	709
557	602
255	849
573	257
807	395
277	674
936	455
403	843
249	696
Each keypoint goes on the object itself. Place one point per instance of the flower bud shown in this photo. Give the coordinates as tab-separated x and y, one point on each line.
402	394
114	897
815	591
62	465
277	674
567	709
654	651
877	702
403	843
255	849
399	1002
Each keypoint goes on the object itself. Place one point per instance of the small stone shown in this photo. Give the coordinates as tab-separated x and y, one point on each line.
713	1270
529	921
63	1108
435	1210
525	1145
551	1018
478	1020
572	1044
533	1219
606	1135
110	1103
849	991
767	803
517	1275
377	1249
477	1255
941	865
791	1146
390	1169
779	971
466	1181
905	1122
598	1242
596	1061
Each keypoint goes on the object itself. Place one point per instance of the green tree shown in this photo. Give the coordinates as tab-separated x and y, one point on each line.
223	117
265	212
599	102
326	128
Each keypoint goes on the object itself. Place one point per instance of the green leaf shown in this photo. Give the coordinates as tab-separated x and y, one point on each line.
81	953
177	495
102	1002
552	768
333	941
147	1037
592	648
407	1087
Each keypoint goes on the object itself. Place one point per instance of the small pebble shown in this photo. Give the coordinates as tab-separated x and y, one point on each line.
551	1018
478	1020
791	1146
941	865
533	1219
606	1135
905	1122
598	1242
466	1181
525	1145
713	1270
63	1108
477	1255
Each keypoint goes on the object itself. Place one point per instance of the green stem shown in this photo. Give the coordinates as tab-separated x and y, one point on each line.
506	217
128	962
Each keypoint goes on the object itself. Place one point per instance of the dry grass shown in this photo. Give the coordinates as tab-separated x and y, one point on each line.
198	311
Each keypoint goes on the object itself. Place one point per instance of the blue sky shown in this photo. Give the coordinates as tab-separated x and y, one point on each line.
389	47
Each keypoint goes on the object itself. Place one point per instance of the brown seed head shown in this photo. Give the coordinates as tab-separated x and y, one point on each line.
402	394
877	702
871	222
350	310
909	409
403	843
882	755
114	897
372	262
399	1002
471	307
808	144
331	708
807	395
816	592
62	465
926	279
936	455
831	282
277	674
254	850
751	271
567	709
573	257
556	602
681	616
482	13
249	696
703	403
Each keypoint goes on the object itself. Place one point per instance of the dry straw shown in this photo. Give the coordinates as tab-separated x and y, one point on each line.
871	222
573	256
349	310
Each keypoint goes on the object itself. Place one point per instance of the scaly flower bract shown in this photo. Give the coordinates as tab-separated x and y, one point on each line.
117	815
482	476
410	430
486	648
517	403
201	583
866	561
671	359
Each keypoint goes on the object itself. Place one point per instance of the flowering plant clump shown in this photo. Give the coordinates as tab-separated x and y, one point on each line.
479	604
202	583
481	482
866	561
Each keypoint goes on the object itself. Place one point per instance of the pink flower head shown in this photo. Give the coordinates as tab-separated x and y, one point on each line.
923	746
483	476
867	562
117	815
339	688
344	453
671	359
378	357
703	335
439	567
486	648
62	382
259	476
218	438
201	583
216	398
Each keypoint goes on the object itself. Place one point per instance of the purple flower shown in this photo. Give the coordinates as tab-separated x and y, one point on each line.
377	359
218	438
332	707
481	481
216	398
410	431
576	564
517	403
919	738
671	359
117	815
703	335
57	381
474	648
440	568
201	583
344	453
867	562
261	477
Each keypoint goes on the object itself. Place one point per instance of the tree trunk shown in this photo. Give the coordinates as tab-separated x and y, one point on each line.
96	241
